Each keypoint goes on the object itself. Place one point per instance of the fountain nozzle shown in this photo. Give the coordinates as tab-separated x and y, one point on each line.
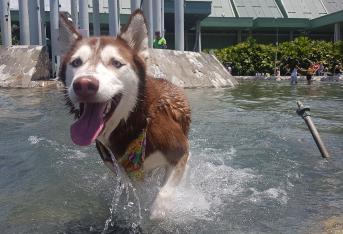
304	113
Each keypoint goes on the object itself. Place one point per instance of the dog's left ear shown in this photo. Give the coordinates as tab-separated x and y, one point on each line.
135	33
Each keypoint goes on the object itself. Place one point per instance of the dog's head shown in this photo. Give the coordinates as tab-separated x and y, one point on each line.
104	76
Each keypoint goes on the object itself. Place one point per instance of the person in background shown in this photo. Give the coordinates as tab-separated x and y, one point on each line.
293	66
338	69
228	67
159	42
320	71
326	71
311	70
294	74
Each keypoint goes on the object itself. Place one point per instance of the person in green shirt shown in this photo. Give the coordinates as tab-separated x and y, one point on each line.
159	42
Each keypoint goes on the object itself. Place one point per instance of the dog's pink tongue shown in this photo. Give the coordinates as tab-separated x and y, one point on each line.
87	128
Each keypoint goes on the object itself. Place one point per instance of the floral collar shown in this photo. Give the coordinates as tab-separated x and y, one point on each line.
133	159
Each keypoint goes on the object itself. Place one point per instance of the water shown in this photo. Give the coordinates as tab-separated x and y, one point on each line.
254	167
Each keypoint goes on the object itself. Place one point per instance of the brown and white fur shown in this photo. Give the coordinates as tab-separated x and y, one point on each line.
112	71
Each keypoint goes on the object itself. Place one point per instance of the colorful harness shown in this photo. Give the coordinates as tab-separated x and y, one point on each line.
133	159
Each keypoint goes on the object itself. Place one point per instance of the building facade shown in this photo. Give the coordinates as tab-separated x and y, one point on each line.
227	22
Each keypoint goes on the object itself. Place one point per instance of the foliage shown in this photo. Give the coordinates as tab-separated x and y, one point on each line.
249	57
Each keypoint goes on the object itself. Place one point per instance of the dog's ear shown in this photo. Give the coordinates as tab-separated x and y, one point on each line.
135	33
67	34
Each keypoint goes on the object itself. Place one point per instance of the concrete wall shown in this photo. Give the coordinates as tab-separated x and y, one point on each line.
189	69
23	66
28	66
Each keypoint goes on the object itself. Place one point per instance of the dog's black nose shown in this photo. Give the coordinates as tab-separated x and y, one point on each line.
86	86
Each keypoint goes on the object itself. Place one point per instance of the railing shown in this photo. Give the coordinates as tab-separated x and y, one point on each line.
33	23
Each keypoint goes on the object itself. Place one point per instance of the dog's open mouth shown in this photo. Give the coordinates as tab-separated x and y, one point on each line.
93	117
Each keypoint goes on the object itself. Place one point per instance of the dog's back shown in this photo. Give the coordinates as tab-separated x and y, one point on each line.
170	118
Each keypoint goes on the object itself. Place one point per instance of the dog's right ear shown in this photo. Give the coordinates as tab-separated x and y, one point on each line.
67	34
135	33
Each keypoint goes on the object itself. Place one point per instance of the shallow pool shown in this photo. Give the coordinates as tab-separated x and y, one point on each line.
254	166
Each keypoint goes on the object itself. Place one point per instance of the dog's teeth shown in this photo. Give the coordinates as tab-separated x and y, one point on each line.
107	109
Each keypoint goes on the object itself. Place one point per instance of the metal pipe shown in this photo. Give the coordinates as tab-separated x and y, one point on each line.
157	16
148	13
75	13
135	4
291	35
35	23
24	22
199	38
42	22
113	17
96	18
239	36
118	12
277	48
162	18
304	113
84	17
197	43
6	35
179	25
53	31
337	32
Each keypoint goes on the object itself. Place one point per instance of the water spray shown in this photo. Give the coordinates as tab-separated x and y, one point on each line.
304	113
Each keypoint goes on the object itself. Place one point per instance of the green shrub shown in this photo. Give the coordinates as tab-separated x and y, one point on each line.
249	57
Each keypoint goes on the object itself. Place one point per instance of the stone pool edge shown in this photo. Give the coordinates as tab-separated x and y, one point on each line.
288	78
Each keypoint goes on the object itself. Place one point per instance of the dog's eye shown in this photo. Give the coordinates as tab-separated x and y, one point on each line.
76	62
116	63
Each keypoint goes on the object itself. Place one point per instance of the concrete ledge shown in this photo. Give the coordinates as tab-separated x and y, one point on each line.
22	66
28	66
288	78
46	84
189	69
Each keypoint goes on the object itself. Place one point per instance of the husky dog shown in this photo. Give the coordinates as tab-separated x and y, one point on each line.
140	121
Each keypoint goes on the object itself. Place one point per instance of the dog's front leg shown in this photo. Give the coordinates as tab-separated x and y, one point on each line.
174	174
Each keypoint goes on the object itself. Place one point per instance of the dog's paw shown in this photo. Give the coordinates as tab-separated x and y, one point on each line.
158	209
157	213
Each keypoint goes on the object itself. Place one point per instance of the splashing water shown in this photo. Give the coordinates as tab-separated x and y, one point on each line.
126	195
197	198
